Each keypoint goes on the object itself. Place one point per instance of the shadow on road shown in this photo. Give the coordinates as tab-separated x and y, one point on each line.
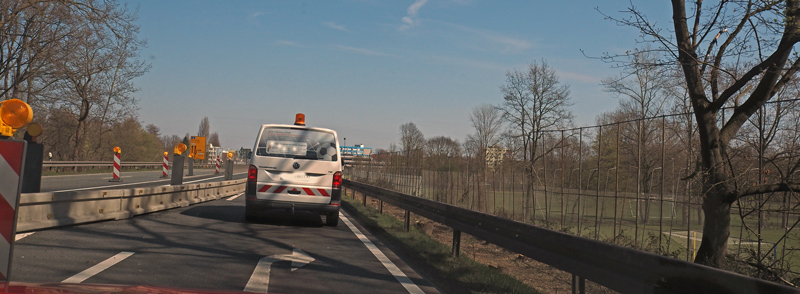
278	217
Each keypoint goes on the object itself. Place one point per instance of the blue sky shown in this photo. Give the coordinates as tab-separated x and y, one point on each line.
363	67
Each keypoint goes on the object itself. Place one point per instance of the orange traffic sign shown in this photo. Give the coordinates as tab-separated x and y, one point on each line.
197	147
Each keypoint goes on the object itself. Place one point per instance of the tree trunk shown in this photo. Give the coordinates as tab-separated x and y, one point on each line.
716	230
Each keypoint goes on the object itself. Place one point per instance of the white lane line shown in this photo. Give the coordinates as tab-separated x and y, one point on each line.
393	269
23	235
97	268
234	196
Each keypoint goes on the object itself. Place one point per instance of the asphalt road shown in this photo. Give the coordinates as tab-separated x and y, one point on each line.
210	246
86	182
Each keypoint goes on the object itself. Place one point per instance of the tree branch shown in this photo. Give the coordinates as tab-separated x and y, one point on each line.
767	188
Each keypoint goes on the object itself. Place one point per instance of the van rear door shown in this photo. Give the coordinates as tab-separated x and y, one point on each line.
296	164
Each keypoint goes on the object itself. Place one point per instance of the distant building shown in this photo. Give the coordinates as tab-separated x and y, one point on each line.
494	157
357	151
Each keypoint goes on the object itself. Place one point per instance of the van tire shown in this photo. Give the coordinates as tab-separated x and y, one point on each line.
249	215
332	219
250	218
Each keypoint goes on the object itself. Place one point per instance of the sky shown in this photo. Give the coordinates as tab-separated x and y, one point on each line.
364	67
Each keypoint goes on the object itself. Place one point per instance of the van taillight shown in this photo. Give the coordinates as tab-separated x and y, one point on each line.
252	173
337	180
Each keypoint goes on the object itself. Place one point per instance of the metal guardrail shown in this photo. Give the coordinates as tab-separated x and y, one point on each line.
619	268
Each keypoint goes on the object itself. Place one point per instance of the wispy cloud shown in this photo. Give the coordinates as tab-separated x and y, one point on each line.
497	41
287	43
253	17
334	26
361	51
411	19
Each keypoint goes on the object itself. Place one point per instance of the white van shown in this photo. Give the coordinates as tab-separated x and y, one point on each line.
294	167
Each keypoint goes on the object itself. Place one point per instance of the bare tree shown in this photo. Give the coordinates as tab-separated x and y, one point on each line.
534	100
411	138
712	44
486	119
642	90
205	128
71	57
214	139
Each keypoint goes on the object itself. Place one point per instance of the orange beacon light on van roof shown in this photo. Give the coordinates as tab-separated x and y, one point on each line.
300	119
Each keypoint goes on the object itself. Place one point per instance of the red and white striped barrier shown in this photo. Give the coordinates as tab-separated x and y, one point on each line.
115	172
216	171
12	156
165	166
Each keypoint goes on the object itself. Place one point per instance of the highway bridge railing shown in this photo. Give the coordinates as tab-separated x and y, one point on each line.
48	210
619	268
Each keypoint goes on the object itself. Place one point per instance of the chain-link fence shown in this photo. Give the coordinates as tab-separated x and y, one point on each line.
632	183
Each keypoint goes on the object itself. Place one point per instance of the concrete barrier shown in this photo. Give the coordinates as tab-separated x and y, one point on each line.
47	210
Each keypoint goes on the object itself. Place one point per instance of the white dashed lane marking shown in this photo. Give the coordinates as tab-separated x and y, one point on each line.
393	269
23	235
97	268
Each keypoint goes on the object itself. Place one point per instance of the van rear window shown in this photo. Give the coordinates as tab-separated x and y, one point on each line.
297	144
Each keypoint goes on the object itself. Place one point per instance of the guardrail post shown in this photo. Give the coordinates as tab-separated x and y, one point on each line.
228	169
456	242
578	284
408	220
177	170
32	179
365	199
380	206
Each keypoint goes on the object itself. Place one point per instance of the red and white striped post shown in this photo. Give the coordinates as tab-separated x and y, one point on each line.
165	166
12	157
115	173
216	171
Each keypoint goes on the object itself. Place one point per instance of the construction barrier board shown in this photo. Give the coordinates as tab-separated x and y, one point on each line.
12	158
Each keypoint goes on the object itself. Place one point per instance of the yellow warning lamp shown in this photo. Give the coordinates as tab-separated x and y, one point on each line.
117	150
300	119
180	148
34	130
14	114
191	155
166	153
230	155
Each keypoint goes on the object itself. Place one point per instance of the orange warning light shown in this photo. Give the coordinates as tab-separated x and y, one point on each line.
300	119
230	155
14	114
166	153
117	150
180	148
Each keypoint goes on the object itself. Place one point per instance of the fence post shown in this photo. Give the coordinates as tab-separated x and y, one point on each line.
456	242
578	285
407	220
380	206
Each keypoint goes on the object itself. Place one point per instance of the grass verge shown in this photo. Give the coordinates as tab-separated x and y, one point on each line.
433	259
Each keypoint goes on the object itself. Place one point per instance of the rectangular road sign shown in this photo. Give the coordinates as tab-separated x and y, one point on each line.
12	158
198	147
